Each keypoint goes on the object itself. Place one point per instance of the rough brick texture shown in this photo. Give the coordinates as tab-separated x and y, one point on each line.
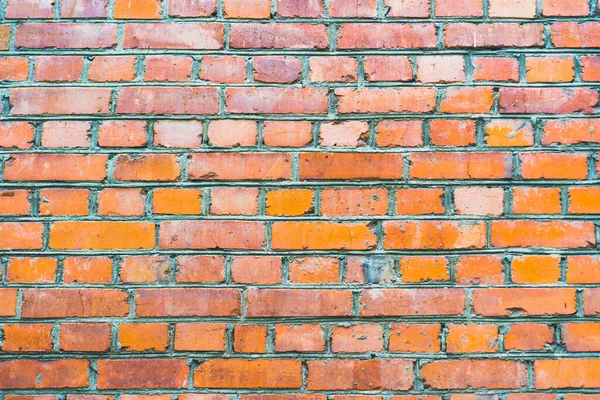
299	200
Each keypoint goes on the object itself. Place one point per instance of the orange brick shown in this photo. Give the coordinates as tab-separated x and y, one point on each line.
300	338
528	337
290	202
137	9
249	339
87	270
61	202
232	133
144	337
479	270
177	201
535	269
314	270
112	68
399	133
322	236
472	338
550	69
287	133
31	270
424	269
15	202
420	201
138	269
27	338
199	337
509	133
357	338
256	270
258	373
415	338
583	269
533	200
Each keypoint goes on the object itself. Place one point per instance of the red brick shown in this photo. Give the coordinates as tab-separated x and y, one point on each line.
333	69
299	338
385	100
454	8
523	302
83	9
55	167
575	34
300	8
415	338
479	270
475	374
353	8
85	303
287	133
479	201
167	100
357	338
402	133
430	235
190	9
275	100
495	35
407	302
392	374
190	36
260	270
23	9
122	133
452	132
234	201
581	336
142	373
145	269
232	133
258	374
181	302
200	269
8	305
526	337
34	374
276	69
471	100
199	337
112	69
226	69
571	131
21	235
328	166
386	36
314	270
59	100
165	68
499	69
340	202
567	373
512	8
278	36
246	9
408	8
239	166
58	68
472	338
547	100
387	68
450	165
86	337
87	270
101	235
298	303
17	135
211	235
559	234
66	36
121	202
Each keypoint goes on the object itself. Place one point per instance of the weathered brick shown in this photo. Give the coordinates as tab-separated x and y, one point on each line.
237	373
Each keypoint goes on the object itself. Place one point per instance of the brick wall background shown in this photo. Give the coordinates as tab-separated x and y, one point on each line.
298	200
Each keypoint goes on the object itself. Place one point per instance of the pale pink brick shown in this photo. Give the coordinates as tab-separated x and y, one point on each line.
184	134
66	134
479	201
231	133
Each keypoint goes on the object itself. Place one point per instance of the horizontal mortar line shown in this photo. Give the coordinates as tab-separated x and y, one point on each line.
300	85
376	252
200	356
392	184
290	117
258	150
503	51
312	21
306	218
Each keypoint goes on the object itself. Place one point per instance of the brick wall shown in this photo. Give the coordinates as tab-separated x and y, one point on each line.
291	200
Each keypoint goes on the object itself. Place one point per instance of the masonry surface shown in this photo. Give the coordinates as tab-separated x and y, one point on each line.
298	200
